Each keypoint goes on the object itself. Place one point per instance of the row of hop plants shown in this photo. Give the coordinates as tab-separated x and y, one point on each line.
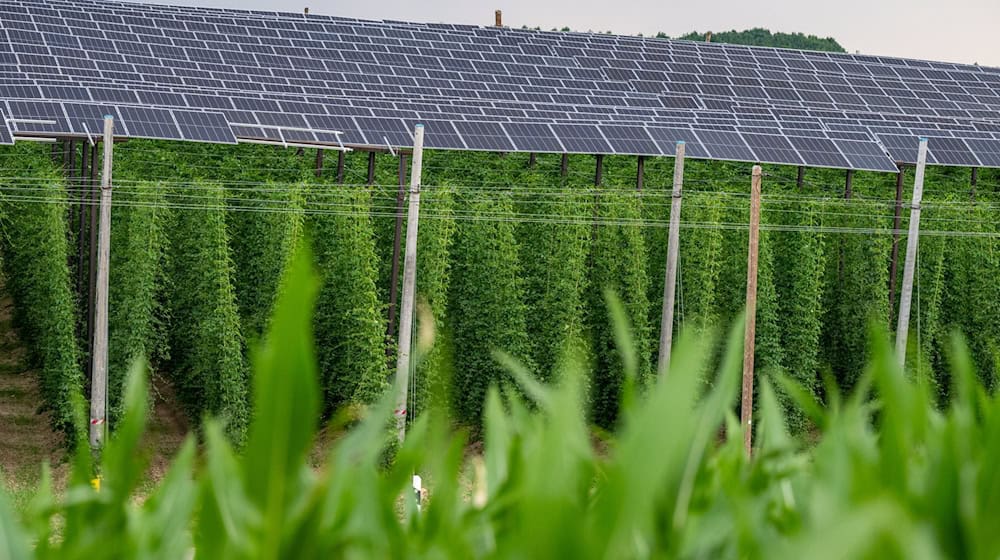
888	474
512	257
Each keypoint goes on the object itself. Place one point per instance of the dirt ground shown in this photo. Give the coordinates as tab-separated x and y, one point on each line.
27	439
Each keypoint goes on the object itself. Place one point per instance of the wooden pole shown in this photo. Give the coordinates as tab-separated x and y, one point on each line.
897	221
902	328
397	241
319	163
99	383
532	160
409	282
640	172
670	279
340	167
599	170
750	331
849	184
974	180
800	179
564	166
371	168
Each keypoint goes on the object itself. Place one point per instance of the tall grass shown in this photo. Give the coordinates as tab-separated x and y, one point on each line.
891	475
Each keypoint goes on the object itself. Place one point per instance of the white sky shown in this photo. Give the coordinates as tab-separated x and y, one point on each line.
955	31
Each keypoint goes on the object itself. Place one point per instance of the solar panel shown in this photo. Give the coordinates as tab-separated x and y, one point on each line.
667	139
6	137
772	149
866	155
441	134
581	139
725	145
37	117
987	150
951	151
385	131
903	148
144	122
819	152
631	140
485	136
534	137
565	91
204	127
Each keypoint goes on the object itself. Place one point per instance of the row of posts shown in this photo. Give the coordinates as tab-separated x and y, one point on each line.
99	331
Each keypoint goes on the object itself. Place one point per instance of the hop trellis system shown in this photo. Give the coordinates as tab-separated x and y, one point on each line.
515	254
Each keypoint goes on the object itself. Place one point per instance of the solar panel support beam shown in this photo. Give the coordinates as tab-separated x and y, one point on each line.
849	184
912	241
897	220
319	163
340	168
599	170
972	183
564	166
532	160
371	168
640	171
800	179
409	283
670	277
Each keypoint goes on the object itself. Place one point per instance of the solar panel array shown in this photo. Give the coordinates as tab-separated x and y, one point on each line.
215	75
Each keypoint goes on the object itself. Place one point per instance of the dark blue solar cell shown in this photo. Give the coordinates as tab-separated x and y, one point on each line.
903	147
6	137
204	127
88	119
818	152
582	138
667	138
630	140
21	112
951	151
385	131
986	150
485	136
865	155
533	137
725	145
772	149
144	122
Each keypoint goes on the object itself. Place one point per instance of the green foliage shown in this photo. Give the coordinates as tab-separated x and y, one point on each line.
764	38
434	247
135	328
699	262
262	227
800	261
554	246
35	256
207	360
486	300
857	283
917	483
350	321
617	263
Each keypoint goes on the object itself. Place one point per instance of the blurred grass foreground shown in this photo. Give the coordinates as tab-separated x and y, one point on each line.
892	474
